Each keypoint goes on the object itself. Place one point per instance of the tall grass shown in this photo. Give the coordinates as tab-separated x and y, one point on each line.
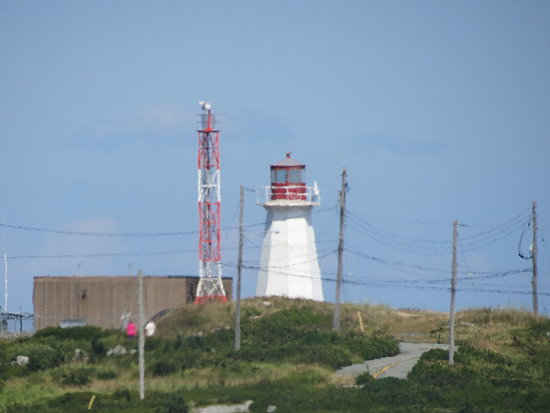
287	357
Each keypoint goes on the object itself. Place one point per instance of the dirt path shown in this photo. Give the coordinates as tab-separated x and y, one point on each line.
397	366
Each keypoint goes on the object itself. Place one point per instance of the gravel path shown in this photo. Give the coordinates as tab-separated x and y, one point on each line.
397	366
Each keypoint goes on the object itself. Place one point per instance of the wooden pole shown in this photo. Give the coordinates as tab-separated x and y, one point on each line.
141	338
360	322
336	318
237	344
453	292
534	260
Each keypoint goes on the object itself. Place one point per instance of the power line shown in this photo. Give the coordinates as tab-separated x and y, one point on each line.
417	267
436	247
134	234
399	238
115	234
398	264
101	254
386	284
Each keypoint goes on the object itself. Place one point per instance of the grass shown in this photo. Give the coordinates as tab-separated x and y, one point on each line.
288	356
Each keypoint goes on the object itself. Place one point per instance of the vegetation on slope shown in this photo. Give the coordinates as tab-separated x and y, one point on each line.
287	358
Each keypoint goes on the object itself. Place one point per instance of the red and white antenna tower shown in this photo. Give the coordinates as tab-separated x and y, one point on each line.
210	286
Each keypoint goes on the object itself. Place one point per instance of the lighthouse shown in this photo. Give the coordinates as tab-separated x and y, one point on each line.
289	264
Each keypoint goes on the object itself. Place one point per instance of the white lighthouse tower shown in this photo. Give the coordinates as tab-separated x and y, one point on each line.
289	265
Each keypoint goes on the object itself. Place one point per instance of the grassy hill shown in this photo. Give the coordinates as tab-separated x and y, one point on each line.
287	359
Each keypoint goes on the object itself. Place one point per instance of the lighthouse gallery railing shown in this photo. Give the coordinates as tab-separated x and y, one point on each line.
290	193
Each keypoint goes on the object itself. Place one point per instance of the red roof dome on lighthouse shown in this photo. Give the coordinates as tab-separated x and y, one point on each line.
288	161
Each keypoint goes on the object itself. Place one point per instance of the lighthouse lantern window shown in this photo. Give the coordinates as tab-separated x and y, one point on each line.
295	175
280	176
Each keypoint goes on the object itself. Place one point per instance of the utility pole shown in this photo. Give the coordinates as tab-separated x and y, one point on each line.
534	259
342	201
141	338
5	281
453	292
237	345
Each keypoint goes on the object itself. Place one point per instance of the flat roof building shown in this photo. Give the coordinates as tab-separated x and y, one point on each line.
109	301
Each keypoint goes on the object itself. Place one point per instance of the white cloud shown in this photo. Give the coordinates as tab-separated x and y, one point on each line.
155	123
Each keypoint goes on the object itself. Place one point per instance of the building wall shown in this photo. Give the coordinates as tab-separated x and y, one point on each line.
104	301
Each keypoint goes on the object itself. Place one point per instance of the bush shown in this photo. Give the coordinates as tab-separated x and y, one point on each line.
391	391
303	336
98	348
68	376
363	379
106	375
41	356
85	333
435	354
370	347
71	402
171	403
123	394
163	368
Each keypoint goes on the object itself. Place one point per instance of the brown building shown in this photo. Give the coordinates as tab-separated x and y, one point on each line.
109	302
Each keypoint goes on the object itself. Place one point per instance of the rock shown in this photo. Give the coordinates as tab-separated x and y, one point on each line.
271	408
117	351
21	360
222	408
80	355
267	303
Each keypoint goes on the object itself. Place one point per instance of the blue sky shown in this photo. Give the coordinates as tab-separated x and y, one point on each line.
439	110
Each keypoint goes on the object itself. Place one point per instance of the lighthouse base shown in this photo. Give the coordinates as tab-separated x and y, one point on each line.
289	264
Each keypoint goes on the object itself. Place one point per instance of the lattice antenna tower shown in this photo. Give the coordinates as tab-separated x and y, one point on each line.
210	286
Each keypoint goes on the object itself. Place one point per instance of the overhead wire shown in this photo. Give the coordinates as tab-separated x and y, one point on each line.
418	267
436	247
362	226
385	284
115	234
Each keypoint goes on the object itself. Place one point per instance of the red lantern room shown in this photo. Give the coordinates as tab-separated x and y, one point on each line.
287	180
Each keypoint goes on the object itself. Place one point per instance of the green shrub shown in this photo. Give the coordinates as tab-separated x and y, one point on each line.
391	391
85	333
123	394
106	375
435	354
370	347
75	378
170	403
71	376
41	356
9	371
178	342
71	402
163	368
303	336
440	374
363	379
98	348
